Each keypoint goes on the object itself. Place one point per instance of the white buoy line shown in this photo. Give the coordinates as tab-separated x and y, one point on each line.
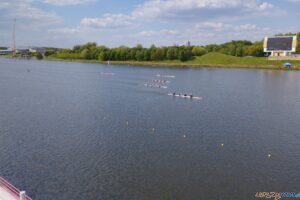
184	136
269	155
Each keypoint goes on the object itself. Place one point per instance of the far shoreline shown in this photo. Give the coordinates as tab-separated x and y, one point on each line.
174	64
170	64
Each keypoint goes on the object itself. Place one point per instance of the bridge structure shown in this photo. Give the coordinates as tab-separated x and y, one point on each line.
10	192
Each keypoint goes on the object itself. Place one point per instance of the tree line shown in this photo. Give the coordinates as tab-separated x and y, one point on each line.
91	51
292	34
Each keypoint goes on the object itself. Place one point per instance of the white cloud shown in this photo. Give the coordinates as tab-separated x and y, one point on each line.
245	27
223	32
30	22
265	6
220	26
23	10
67	2
188	10
163	32
108	21
206	35
216	26
199	8
66	30
146	33
294	1
179	18
162	22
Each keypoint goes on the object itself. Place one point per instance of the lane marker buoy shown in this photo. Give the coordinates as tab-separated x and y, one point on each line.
269	155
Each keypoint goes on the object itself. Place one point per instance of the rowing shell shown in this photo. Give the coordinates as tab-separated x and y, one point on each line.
107	73
160	81
156	86
185	97
166	76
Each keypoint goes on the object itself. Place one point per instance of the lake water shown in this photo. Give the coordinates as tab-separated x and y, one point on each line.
64	132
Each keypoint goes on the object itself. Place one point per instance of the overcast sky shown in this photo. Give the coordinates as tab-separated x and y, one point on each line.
64	23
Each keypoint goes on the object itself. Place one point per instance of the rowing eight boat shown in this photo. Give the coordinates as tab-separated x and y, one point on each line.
185	96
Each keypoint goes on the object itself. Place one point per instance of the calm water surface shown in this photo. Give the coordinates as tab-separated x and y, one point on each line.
63	132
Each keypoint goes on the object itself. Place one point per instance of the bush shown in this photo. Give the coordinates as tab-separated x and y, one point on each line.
49	53
39	56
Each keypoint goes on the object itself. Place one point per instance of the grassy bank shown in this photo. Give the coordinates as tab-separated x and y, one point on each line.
208	60
222	60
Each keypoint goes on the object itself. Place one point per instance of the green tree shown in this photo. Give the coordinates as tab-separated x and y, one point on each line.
198	51
85	54
239	51
139	47
132	54
103	56
76	48
212	48
172	53
139	55
255	49
147	55
182	56
298	43
157	54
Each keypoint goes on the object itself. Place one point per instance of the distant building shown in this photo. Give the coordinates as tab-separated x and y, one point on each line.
41	50
281	46
22	51
5	51
188	43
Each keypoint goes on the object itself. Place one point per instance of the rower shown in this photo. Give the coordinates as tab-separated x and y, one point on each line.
185	95
191	96
174	93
